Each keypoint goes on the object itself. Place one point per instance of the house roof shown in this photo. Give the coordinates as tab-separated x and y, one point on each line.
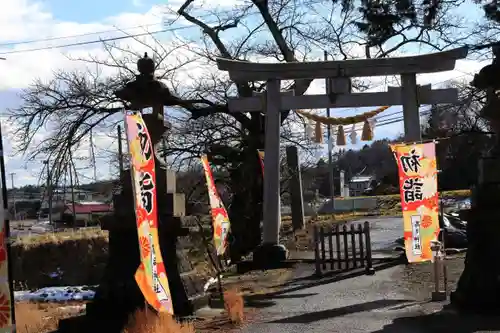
68	191
86	203
360	179
88	208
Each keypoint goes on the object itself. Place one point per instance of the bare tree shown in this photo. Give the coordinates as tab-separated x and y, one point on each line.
455	127
72	104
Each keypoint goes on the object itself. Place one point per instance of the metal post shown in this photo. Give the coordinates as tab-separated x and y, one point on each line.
13	193
120	150
443	249
316	251
330	147
436	274
73	196
443	244
93	156
49	190
437	295
297	200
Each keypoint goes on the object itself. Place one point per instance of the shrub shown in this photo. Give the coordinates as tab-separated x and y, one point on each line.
145	321
233	302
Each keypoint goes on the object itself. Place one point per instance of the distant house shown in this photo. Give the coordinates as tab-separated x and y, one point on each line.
86	212
60	196
64	194
359	184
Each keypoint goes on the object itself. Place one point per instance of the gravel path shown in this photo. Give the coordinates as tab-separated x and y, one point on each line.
395	300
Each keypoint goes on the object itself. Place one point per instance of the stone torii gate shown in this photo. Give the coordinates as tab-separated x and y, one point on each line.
273	102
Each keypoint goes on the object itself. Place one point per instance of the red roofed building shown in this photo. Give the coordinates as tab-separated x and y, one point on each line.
86	213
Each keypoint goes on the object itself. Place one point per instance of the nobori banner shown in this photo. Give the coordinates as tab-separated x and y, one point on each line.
419	198
151	276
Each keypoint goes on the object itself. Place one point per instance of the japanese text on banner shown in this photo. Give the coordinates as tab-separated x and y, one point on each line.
151	276
419	198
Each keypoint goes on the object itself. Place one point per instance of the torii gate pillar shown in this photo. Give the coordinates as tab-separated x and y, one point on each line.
270	250
273	103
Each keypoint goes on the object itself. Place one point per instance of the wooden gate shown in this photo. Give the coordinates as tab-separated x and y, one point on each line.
342	249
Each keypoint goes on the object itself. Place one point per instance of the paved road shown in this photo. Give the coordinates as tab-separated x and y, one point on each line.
377	304
384	232
361	304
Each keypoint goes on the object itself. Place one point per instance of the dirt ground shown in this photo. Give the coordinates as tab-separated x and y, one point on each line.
44	317
419	278
416	279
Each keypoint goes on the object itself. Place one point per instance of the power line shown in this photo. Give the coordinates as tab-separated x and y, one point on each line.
111	38
92	41
130	28
112	30
101	40
32	41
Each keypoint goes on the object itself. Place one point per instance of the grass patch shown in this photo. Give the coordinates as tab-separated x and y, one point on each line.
148	322
34	240
43	317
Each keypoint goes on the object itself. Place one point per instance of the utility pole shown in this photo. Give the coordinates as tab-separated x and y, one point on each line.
73	195
13	193
49	190
120	151
92	154
330	146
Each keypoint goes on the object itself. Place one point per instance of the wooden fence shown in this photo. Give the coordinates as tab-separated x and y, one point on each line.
342	249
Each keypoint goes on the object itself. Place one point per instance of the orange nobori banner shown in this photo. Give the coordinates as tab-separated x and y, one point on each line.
151	276
419	197
261	158
220	217
6	303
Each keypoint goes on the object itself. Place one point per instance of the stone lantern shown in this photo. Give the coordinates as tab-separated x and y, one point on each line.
118	295
478	289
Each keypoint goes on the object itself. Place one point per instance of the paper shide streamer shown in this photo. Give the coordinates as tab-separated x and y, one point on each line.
315	131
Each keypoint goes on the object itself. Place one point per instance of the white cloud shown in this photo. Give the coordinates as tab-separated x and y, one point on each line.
28	20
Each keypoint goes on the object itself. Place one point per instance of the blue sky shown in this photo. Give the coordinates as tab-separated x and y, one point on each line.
95	10
24	20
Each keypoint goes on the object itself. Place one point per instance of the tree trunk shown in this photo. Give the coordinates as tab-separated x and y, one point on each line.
478	289
245	212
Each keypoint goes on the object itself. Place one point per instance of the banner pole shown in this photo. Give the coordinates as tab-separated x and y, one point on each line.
6	236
